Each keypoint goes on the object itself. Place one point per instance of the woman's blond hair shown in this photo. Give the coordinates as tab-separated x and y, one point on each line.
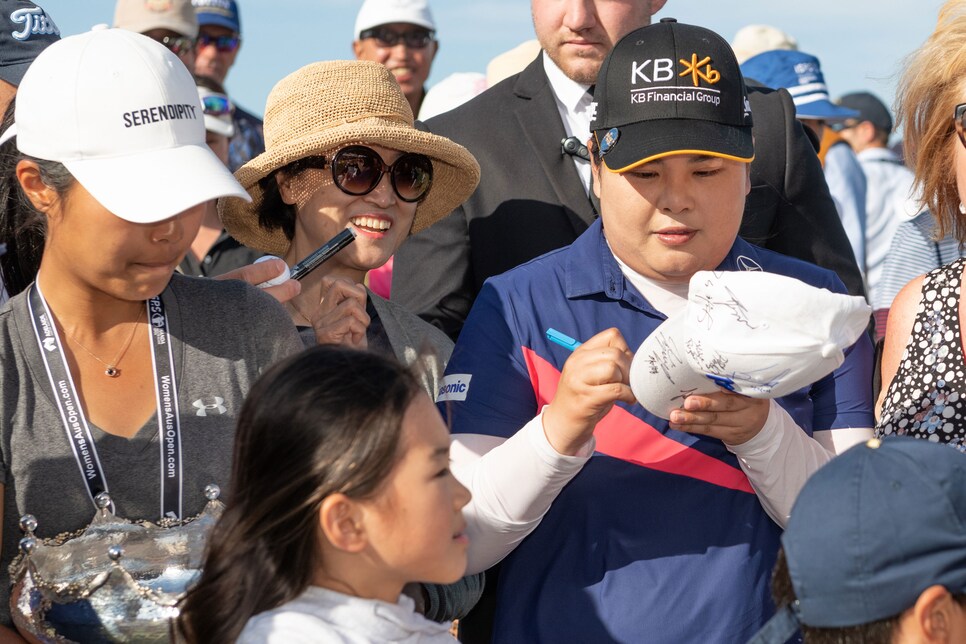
931	85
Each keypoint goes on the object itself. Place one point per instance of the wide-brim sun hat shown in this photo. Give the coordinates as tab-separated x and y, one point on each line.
325	106
122	114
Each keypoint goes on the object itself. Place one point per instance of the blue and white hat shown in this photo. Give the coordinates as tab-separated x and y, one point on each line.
220	13
801	74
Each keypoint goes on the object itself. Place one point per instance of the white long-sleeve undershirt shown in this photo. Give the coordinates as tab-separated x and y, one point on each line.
781	457
515	480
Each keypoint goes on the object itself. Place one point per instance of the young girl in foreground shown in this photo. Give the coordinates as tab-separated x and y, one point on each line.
341	494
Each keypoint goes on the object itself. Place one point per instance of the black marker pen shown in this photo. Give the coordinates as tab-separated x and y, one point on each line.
326	251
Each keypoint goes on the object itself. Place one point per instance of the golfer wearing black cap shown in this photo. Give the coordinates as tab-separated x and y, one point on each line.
527	133
617	525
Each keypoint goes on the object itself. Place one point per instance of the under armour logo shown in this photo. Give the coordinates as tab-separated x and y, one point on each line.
693	67
50	344
215	408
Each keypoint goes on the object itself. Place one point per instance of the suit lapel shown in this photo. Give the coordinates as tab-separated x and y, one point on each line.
539	120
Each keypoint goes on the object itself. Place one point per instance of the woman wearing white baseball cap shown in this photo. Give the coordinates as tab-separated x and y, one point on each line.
109	359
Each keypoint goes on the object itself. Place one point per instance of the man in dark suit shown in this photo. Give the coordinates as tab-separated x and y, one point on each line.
531	198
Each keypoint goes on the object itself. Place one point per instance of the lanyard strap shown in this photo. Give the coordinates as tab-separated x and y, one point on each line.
72	414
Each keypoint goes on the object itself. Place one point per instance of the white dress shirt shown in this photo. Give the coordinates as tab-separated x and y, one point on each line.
574	105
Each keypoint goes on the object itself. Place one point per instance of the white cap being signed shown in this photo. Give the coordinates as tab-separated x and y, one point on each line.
754	333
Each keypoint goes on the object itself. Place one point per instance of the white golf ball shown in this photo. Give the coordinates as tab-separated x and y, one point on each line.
275	281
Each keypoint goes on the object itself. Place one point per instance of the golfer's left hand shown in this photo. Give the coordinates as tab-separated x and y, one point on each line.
730	417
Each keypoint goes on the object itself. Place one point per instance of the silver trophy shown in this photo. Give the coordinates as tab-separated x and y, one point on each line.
114	581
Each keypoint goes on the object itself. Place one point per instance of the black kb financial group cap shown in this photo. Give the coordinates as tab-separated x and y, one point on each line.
671	88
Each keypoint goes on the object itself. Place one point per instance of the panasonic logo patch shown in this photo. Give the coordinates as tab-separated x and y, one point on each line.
455	386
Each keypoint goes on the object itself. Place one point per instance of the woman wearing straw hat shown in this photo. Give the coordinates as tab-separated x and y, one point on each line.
342	151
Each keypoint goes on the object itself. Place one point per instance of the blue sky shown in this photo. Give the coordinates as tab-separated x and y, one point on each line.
860	42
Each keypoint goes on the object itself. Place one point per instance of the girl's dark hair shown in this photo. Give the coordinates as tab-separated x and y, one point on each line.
273	213
22	228
324	421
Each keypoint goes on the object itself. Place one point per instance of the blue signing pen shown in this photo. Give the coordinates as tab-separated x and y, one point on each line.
562	339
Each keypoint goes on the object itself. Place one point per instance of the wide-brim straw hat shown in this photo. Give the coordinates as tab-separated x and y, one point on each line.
325	106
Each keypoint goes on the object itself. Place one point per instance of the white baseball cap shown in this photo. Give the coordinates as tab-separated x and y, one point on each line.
755	333
383	12
122	113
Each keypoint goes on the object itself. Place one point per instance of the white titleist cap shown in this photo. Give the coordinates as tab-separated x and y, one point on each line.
757	334
383	12
122	113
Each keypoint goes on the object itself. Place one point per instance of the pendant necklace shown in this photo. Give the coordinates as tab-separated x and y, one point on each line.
112	371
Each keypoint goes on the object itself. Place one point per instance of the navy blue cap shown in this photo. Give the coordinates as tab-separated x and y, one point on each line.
870	531
25	31
870	108
801	75
222	13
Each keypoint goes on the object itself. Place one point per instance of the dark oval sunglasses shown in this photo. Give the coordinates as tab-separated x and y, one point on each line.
358	169
959	115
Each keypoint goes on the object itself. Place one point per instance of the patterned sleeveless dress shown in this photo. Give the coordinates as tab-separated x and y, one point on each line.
927	397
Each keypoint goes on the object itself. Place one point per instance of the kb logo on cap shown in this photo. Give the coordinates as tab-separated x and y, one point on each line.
662	70
710	76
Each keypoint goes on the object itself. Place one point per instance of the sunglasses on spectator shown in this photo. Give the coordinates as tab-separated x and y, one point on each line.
216	104
178	45
357	170
958	116
386	37
224	44
841	126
